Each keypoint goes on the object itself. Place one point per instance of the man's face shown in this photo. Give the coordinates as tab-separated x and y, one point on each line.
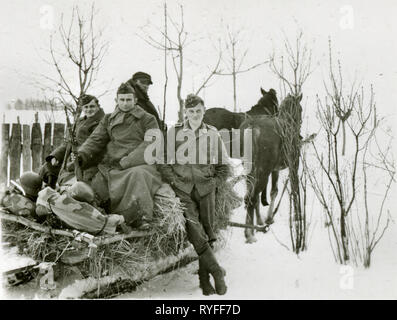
143	84
195	115
90	108
126	101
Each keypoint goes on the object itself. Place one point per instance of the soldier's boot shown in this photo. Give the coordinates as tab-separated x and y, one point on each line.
217	272
204	278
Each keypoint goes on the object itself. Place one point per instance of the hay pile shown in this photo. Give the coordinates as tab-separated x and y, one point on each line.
128	256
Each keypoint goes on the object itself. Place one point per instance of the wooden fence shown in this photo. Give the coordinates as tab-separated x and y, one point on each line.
24	147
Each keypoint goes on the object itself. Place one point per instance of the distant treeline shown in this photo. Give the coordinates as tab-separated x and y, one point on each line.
34	104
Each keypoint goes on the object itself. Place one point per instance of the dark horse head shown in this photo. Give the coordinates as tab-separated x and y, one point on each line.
225	119
266	105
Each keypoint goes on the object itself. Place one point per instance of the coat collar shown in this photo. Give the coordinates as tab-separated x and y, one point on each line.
137	112
202	129
97	116
141	95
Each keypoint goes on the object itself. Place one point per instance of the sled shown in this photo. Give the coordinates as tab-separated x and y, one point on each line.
109	264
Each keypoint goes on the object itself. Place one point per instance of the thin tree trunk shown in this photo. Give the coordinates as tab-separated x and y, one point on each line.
345	240
179	88
165	63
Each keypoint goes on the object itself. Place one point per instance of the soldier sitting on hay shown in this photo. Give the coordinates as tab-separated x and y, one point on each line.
195	184
51	171
124	181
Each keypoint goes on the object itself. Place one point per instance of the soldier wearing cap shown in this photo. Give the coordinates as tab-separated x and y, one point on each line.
141	81
124	180
194	181
92	115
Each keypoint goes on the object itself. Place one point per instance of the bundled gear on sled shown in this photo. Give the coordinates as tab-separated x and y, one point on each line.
77	214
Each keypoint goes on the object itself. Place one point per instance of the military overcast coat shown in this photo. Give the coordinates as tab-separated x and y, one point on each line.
84	127
124	177
205	168
121	135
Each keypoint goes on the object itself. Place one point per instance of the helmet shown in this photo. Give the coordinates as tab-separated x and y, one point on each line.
31	183
81	191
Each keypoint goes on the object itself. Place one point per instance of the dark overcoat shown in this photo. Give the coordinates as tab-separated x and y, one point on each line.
124	177
84	127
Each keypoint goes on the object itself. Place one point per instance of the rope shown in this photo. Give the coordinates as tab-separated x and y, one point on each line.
103	227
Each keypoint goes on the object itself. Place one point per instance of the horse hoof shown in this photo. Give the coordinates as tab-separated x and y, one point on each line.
251	240
269	221
260	222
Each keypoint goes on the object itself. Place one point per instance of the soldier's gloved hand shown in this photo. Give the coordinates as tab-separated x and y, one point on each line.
54	162
80	159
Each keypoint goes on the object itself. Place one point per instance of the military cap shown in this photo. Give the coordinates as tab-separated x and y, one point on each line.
86	98
192	100
125	88
142	75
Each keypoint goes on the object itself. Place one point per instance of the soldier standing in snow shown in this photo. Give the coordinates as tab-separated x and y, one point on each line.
195	182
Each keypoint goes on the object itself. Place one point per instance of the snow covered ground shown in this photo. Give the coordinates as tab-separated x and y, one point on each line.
267	270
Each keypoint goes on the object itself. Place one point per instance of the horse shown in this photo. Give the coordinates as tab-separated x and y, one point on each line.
268	157
221	118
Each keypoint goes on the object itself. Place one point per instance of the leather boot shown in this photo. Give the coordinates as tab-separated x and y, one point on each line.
218	273
204	278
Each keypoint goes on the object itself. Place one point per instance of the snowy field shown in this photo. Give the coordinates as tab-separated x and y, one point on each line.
263	270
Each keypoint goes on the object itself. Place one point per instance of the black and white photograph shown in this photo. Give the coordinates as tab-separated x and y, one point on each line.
157	150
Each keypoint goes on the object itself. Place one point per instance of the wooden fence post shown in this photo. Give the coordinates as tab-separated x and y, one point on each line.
15	151
36	145
59	134
26	153
5	141
47	141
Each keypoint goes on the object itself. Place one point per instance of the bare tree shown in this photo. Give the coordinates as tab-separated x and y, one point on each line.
299	65
293	77
234	61
176	47
340	187
76	52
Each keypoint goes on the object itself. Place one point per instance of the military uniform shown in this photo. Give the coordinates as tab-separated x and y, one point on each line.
84	127
195	181
123	178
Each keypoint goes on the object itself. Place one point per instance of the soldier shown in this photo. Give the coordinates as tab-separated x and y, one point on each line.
141	81
194	181
124	180
92	115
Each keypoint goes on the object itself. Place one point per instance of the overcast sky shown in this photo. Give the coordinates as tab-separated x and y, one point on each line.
362	33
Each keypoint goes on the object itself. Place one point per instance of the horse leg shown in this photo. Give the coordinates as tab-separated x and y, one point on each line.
273	195
263	200
259	220
264	196
251	199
